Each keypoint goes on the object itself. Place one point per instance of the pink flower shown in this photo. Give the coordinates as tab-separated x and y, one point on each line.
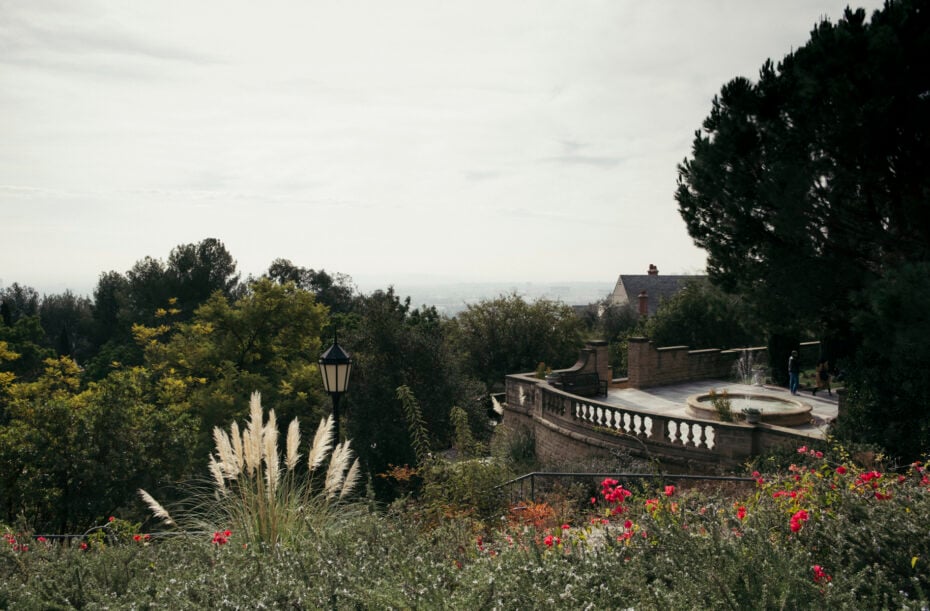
110	519
802	450
41	539
669	490
818	454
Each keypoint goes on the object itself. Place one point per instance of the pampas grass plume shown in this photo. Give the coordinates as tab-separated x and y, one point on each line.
156	507
322	442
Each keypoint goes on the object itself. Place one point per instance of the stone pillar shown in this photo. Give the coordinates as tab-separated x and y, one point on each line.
638	362
599	349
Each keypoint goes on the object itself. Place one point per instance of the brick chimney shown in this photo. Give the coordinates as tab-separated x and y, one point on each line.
653	270
643	303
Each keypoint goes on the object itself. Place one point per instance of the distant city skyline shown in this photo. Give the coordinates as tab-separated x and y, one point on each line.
459	142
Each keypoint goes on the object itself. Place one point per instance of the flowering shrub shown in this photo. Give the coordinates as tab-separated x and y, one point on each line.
851	549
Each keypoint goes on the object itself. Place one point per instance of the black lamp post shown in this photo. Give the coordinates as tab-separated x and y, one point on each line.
335	367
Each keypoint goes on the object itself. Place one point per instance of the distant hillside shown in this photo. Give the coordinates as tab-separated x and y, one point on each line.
452	298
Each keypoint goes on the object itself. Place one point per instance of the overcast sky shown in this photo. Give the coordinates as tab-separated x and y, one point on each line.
449	141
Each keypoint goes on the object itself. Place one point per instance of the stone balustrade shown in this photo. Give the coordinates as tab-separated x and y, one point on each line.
568	427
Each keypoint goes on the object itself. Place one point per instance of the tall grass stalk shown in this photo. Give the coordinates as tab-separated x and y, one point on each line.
259	496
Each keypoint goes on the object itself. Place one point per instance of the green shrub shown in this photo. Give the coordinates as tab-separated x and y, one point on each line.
722	404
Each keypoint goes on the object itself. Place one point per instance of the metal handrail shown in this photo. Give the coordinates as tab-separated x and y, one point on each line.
618	476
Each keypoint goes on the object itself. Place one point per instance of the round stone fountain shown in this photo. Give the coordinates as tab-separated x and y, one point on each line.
781	411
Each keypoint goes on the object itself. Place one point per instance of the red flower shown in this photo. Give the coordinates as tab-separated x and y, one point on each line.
818	454
628	524
820	575
652	504
841	470
565	526
669	490
41	539
550	540
137	537
868	477
83	546
798	519
110	519
740	512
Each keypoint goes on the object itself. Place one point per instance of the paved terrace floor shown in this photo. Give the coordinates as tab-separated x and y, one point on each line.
673	400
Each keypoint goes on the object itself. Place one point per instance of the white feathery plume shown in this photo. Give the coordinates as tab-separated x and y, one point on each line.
497	407
216	470
252	438
270	452
293	443
322	442
351	480
224	452
236	438
335	474
251	452
156	507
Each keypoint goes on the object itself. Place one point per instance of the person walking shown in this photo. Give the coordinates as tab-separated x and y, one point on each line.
823	377
794	372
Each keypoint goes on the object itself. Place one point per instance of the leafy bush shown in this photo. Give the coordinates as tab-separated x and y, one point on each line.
823	533
722	404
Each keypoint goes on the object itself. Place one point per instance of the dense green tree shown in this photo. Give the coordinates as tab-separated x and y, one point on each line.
18	301
150	288
112	341
396	346
888	374
702	316
268	340
809	187
26	338
508	335
70	458
195	271
335	291
68	323
616	324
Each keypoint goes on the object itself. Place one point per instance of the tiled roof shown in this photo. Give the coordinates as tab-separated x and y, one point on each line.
657	287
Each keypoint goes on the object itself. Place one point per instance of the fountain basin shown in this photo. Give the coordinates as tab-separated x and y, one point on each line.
780	411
